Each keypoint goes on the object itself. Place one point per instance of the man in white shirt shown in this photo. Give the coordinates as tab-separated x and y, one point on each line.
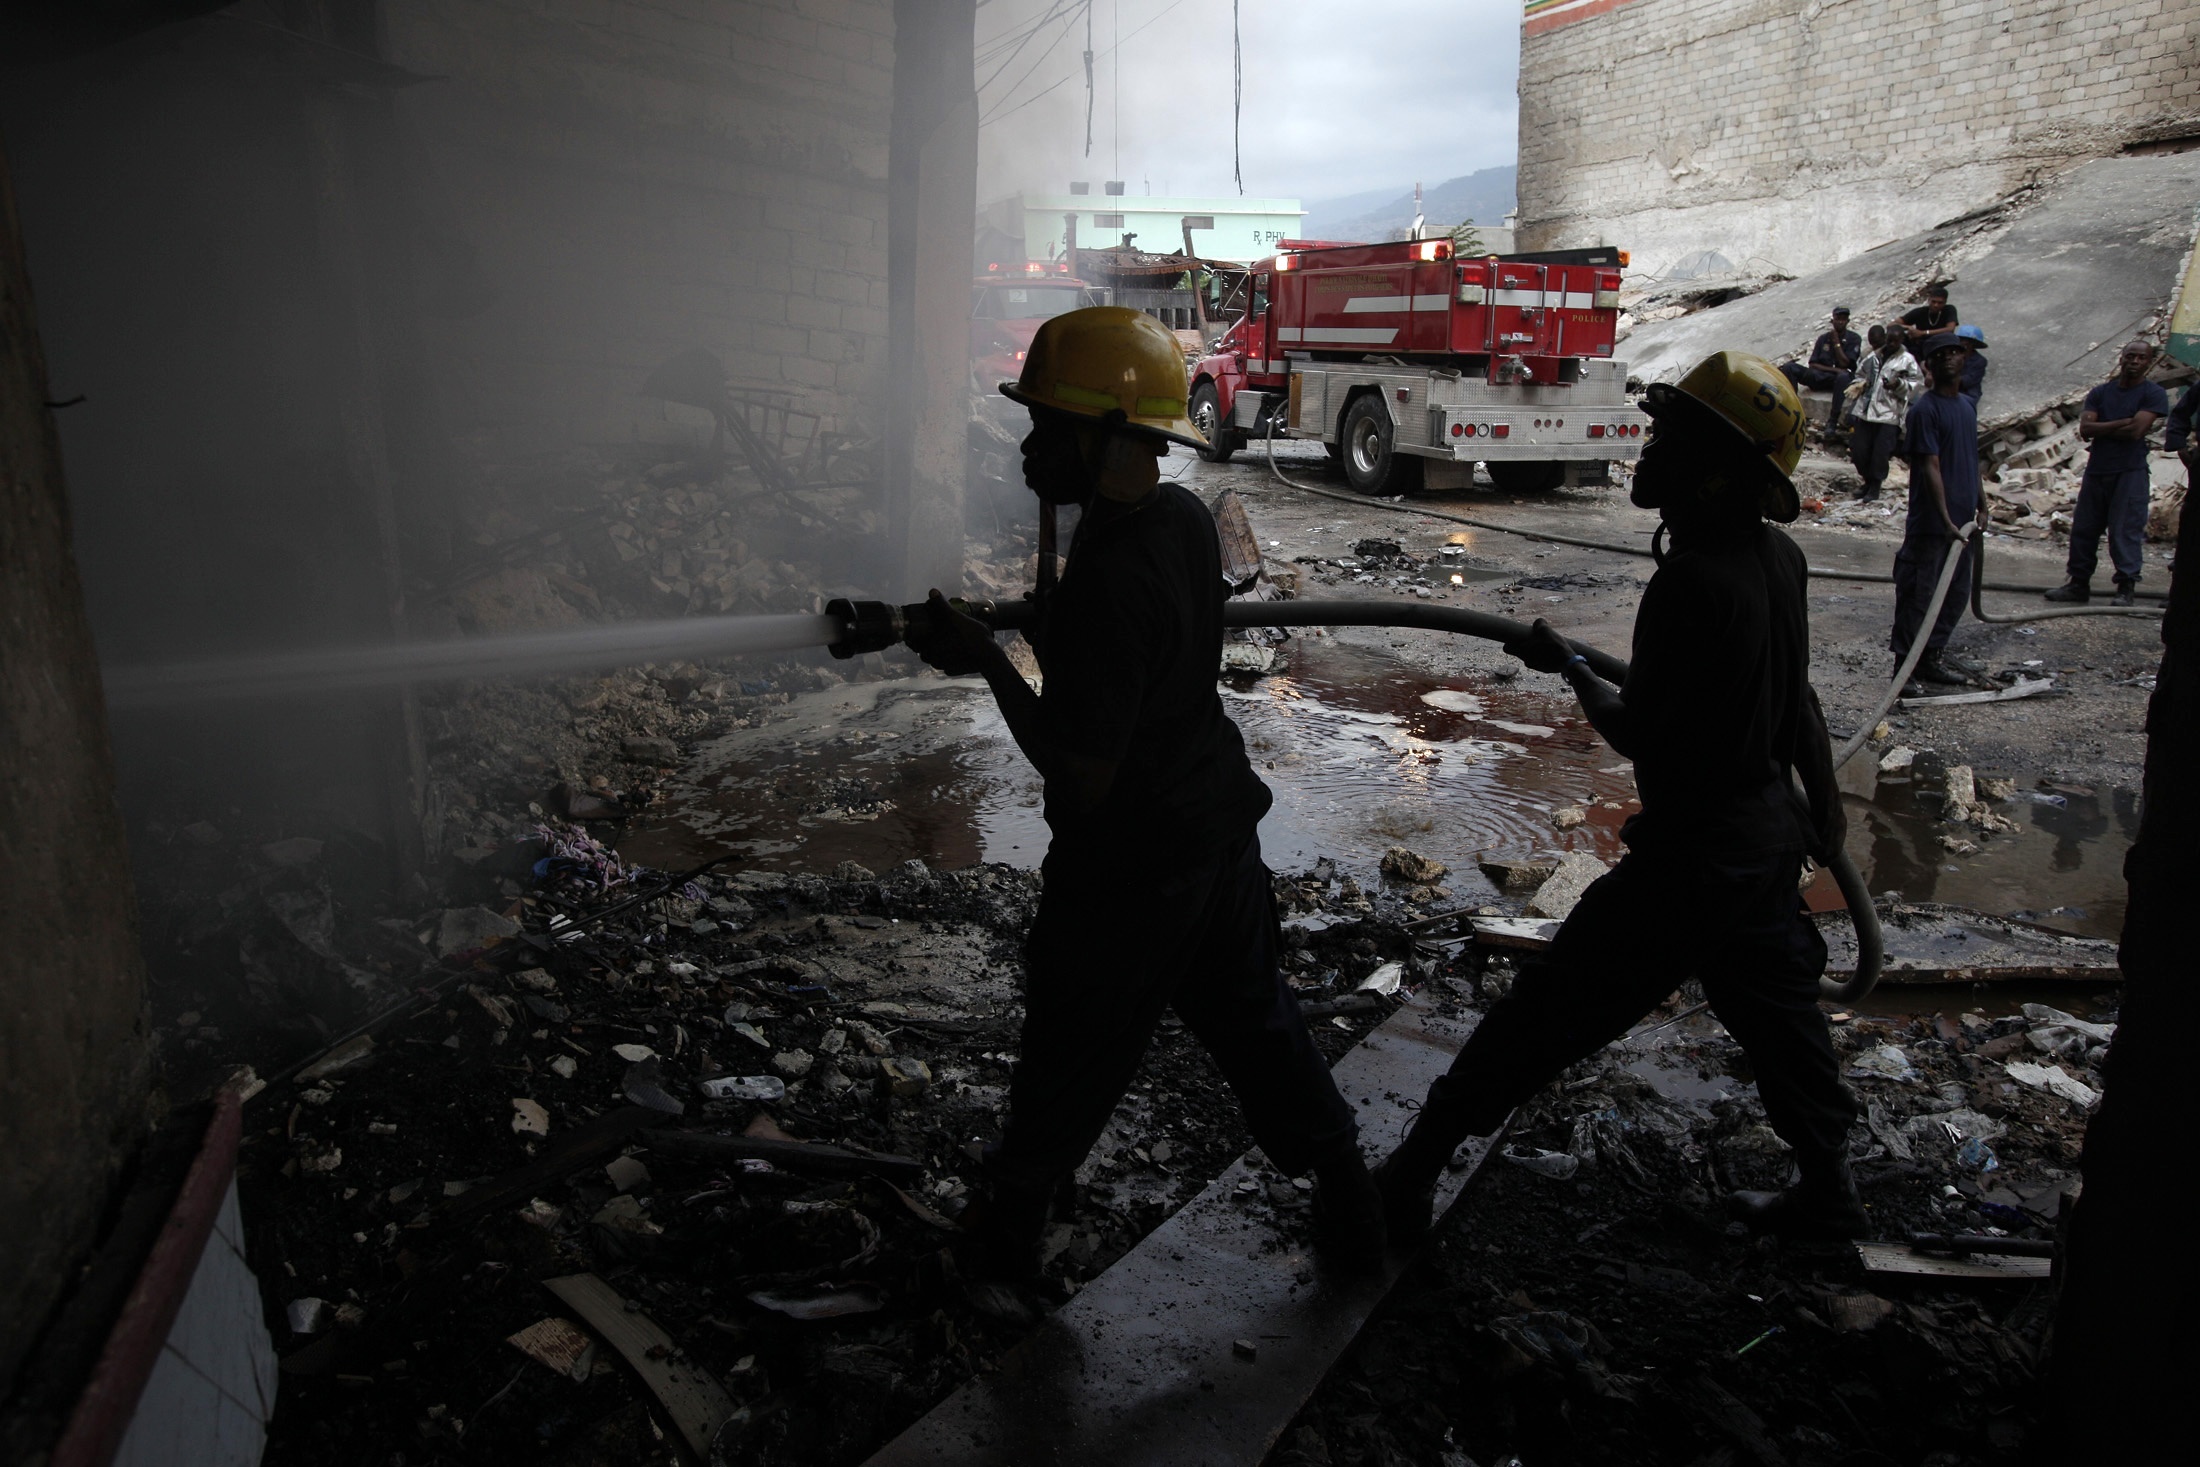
1888	378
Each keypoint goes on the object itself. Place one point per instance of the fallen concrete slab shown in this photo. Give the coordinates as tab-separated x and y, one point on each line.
2058	278
1202	1342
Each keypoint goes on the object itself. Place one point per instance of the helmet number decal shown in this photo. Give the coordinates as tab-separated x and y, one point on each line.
1766	402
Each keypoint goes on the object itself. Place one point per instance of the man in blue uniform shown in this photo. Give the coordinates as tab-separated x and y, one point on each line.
1941	435
2118	415
1716	711
1833	358
1148	788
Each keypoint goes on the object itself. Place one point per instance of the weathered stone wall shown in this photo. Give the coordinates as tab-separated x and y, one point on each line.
636	180
75	1057
1786	135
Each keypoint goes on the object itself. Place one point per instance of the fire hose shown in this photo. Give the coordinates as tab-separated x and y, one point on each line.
873	626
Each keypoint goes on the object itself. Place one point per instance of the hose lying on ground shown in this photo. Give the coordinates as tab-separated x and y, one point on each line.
1817	572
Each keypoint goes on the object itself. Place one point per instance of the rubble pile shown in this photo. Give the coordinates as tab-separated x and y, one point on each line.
1590	1302
748	1104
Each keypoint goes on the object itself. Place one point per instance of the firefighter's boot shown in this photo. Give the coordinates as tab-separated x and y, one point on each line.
2074	591
2126	592
1822	1207
1407	1177
1348	1214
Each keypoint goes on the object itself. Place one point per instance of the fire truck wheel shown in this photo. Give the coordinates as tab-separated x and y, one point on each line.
1530	476
1206	415
1372	464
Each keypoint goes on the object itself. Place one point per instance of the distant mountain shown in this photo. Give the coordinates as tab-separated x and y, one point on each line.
1483	197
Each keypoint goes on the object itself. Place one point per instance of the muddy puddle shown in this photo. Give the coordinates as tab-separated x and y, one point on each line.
2062	868
1362	751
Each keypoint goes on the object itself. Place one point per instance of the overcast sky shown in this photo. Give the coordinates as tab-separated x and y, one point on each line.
1341	96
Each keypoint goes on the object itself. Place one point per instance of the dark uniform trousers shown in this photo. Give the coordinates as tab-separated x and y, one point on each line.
1916	571
1825	379
1734	922
2114	501
1201	938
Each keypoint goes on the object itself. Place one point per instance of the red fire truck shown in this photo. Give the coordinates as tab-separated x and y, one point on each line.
1008	305
1411	366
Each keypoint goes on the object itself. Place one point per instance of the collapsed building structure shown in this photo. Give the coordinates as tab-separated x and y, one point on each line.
1713	137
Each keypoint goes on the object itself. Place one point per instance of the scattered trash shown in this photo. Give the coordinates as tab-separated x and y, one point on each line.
821	1303
626	1173
2052	1078
906	1078
1557	1165
693	1400
558	1344
530	1119
634	1054
1385	980
306	1316
744	1087
346	1056
1778	1329
1885	1062
644	1085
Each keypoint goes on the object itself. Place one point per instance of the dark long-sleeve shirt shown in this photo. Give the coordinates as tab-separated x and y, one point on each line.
1822	353
1717	701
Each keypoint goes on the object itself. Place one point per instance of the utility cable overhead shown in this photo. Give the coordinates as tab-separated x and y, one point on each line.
1017	85
1027	39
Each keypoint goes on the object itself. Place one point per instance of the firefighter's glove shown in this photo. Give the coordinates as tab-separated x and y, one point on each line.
949	639
1542	649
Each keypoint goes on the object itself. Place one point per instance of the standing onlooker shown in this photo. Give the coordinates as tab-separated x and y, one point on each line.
1832	366
1974	362
1944	495
1934	317
2113	495
1889	378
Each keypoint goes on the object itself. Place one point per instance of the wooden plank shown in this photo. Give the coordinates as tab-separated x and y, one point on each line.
811	1156
1142	1368
697	1405
1898	1258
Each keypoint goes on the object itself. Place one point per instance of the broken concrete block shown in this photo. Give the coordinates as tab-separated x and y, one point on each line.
1566	817
1400	864
650	751
793	1062
906	1078
462	929
1556	896
1897	759
1523	874
529	1118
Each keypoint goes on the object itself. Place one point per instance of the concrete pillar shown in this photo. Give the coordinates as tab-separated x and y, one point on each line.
932	206
75	1053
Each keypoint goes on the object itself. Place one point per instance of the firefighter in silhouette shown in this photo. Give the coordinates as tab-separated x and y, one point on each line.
1716	711
1155	894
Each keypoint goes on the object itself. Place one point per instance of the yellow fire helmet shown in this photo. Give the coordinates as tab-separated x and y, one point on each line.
1748	395
1110	363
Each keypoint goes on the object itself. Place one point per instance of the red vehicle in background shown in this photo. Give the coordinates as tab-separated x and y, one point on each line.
1411	366
1006	306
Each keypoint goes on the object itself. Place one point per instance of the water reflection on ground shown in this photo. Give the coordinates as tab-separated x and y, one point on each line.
1362	751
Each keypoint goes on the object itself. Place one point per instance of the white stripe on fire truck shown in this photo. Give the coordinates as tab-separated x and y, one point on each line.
1570	300
1340	335
1361	305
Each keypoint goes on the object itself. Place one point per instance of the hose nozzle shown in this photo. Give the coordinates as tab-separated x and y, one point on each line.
867	626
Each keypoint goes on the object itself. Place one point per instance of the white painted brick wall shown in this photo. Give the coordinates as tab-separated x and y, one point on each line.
1671	126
